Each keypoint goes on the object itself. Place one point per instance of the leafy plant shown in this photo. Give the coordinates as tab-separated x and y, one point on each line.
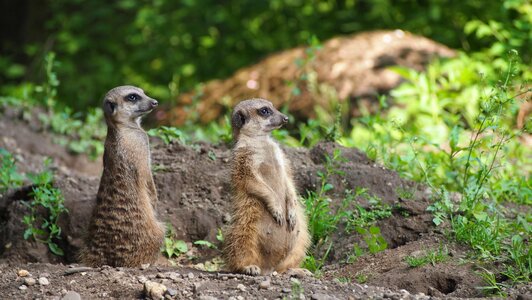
9	177
45	229
172	247
322	221
373	239
206	244
168	134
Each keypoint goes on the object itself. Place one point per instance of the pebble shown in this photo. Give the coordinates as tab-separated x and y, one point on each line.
142	278
265	284
43	281
207	298
171	292
190	275
29	281
321	297
22	287
197	287
71	295
23	273
154	290
144	266
241	287
286	290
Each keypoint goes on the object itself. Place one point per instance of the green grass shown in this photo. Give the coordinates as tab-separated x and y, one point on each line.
432	257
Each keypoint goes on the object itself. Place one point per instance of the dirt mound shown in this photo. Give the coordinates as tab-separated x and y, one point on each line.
194	195
355	66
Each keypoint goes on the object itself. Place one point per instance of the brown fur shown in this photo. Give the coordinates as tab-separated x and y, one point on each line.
123	230
269	228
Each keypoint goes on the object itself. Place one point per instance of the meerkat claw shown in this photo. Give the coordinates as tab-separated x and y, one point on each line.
278	217
291	220
252	270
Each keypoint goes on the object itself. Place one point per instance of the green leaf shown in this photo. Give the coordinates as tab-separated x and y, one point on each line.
374	230
181	246
55	249
327	187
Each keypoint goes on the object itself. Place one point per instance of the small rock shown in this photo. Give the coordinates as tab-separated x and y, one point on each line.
23	273
207	298
190	275
43	281
318	296
286	290
22	287
142	278
241	287
225	278
265	284
197	287
524	297
29	281
71	295
171	292
154	290
144	266
160	275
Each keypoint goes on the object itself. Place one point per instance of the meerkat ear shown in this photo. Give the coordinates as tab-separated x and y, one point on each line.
109	107
238	120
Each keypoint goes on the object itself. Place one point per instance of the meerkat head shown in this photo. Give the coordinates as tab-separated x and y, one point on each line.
256	117
126	104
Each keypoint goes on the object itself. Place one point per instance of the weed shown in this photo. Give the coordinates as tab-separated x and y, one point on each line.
44	229
404	194
314	264
373	238
322	221
9	177
220	235
361	278
432	256
344	279
168	134
492	287
172	247
363	217
206	244
211	155
297	289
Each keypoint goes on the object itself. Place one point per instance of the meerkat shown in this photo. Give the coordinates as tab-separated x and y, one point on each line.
268	230
124	230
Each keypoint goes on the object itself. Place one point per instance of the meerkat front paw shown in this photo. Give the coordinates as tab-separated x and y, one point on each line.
278	217
291	219
252	270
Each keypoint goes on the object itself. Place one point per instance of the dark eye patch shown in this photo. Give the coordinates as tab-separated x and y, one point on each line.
132	97
265	111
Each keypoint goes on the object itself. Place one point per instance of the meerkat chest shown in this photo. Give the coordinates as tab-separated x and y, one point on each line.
271	164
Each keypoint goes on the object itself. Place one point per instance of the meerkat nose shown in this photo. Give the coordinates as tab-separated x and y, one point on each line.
285	119
154	103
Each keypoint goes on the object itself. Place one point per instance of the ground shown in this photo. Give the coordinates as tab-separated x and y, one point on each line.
194	195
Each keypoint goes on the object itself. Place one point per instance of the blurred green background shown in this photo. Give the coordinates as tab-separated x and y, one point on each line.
168	47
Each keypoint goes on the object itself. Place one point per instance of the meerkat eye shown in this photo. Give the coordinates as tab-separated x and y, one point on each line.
132	97
265	111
